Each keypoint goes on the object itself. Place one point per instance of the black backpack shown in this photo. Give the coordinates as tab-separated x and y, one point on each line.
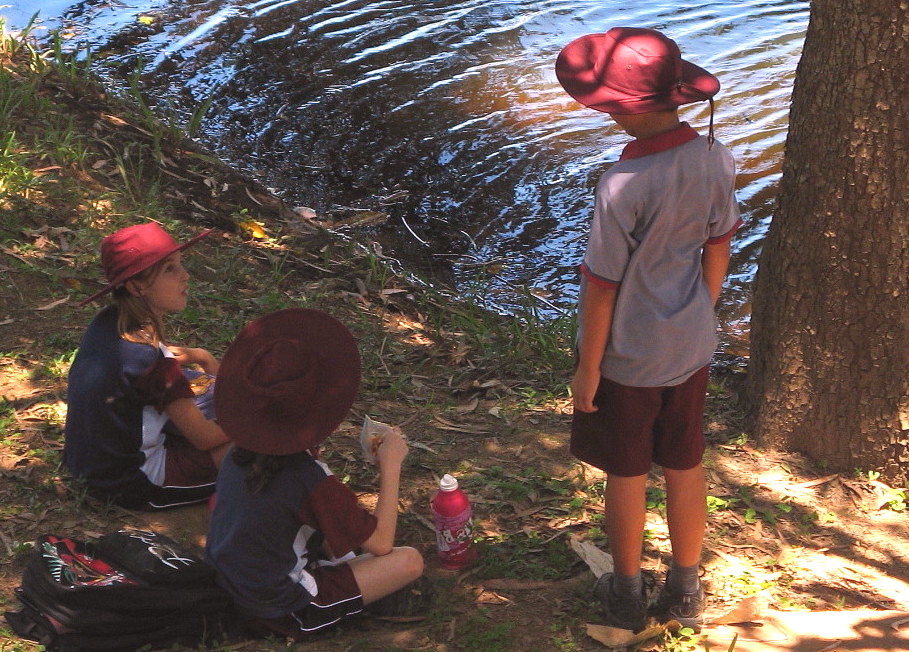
126	590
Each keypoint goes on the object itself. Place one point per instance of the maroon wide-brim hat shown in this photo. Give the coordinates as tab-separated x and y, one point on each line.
132	250
631	70
287	381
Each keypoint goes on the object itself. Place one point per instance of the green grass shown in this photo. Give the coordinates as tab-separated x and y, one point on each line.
526	556
482	634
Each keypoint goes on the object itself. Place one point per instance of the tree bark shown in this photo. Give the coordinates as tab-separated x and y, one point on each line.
829	369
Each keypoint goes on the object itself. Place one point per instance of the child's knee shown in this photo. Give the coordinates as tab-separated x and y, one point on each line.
412	561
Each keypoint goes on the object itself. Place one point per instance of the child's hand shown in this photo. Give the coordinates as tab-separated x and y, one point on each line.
189	356
392	450
584	388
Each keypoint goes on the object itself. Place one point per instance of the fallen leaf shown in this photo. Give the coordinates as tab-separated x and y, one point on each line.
251	196
897	625
598	561
53	304
653	632
114	119
610	636
833	646
469	407
393	197
491	597
448	425
416	444
252	229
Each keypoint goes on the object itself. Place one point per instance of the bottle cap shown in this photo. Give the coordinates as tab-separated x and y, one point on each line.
448	483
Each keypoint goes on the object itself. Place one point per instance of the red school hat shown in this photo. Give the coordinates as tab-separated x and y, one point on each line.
132	250
287	381
630	70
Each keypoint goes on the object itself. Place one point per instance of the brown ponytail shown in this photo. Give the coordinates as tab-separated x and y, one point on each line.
135	321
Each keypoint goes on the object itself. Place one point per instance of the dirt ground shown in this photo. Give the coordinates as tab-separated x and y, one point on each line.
783	537
814	561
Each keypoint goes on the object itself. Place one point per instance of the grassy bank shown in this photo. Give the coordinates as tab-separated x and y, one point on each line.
79	163
478	394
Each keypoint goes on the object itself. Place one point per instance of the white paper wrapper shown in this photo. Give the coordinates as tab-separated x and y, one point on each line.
371	437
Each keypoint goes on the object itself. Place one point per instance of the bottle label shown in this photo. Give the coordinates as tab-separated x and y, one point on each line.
454	534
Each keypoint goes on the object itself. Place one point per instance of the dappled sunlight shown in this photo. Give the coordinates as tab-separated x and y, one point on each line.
413	331
478	395
810	541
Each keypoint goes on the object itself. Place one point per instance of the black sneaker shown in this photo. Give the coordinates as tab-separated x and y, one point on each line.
686	608
623	613
413	600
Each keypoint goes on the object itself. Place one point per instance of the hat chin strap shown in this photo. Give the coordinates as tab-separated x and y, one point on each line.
710	137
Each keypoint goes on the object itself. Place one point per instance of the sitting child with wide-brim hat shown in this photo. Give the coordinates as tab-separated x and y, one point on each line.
284	530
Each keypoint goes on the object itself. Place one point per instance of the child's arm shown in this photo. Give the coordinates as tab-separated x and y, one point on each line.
715	262
201	432
389	457
189	356
597	303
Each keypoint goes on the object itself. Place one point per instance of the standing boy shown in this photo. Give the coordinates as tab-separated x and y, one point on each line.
655	262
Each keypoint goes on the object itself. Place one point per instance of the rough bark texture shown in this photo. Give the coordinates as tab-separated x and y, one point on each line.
830	332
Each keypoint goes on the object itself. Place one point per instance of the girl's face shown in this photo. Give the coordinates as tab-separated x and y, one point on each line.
166	291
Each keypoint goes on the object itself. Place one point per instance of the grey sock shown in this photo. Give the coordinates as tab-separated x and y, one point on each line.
683	579
628	585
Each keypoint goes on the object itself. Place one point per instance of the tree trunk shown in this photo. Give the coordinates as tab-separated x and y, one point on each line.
829	370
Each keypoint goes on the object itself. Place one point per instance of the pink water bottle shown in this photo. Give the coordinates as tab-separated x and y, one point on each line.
451	516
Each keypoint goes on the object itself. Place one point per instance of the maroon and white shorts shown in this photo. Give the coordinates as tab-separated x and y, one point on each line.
189	475
339	597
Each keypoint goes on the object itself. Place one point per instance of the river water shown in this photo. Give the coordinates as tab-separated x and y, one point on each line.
444	117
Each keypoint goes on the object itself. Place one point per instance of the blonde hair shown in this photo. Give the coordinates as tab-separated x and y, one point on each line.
136	322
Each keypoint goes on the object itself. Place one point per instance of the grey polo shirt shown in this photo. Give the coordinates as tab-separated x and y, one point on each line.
656	208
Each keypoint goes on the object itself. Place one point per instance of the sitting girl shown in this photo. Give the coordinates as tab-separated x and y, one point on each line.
134	431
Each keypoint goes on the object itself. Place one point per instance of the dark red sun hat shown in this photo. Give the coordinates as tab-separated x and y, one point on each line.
631	70
132	250
287	381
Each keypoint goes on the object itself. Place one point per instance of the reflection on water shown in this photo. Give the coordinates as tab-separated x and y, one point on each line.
449	109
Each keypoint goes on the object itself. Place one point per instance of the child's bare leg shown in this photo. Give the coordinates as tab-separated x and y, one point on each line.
686	512
624	521
380	576
682	597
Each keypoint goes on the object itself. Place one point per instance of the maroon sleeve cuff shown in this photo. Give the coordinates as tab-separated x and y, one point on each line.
163	383
720	239
596	280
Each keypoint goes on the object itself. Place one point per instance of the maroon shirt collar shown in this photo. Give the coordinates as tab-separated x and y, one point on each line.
659	143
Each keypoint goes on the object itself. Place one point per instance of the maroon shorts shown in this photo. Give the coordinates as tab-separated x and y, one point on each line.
339	597
185	465
189	475
637	426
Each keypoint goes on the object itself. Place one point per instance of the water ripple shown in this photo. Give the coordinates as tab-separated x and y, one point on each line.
455	101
